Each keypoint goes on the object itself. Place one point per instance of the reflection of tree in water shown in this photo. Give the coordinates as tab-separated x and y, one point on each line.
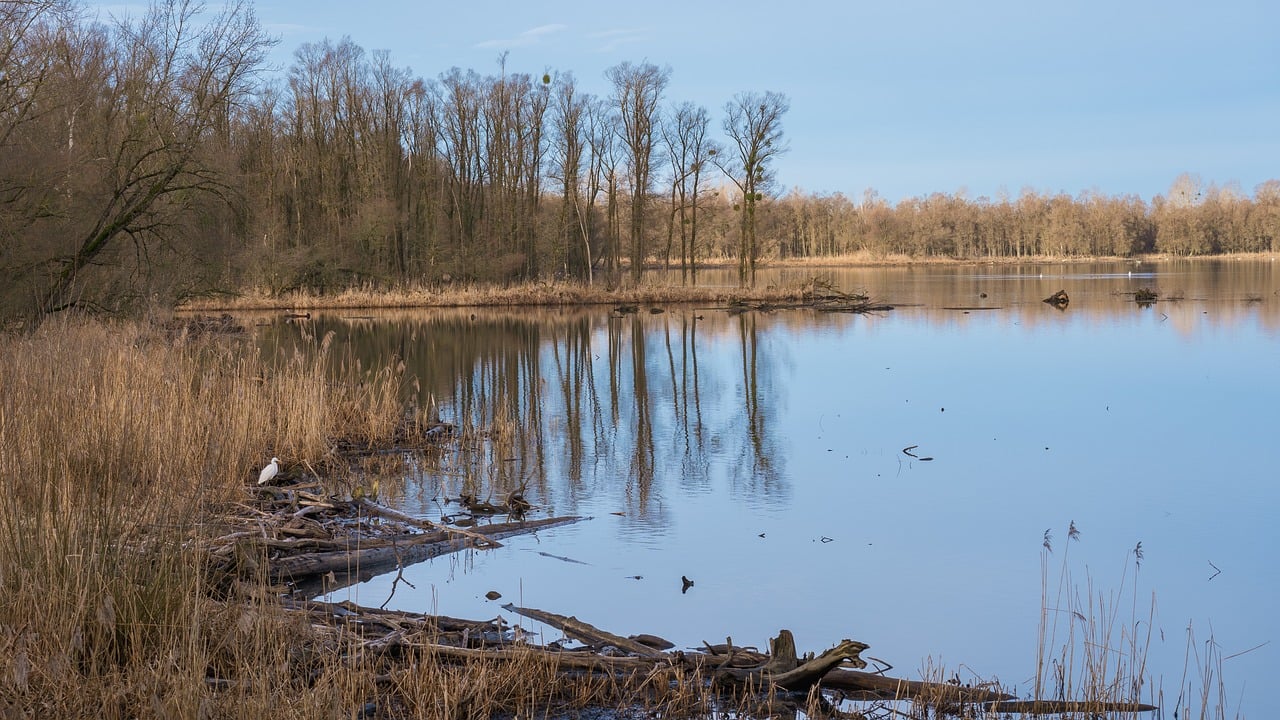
572	357
689	433
555	419
758	464
642	455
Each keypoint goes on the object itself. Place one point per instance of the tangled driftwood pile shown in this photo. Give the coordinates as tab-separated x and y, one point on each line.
817	294
304	542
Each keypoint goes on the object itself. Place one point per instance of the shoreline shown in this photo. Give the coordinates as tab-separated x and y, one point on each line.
575	293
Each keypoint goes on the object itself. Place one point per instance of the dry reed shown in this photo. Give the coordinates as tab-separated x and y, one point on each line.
527	294
116	447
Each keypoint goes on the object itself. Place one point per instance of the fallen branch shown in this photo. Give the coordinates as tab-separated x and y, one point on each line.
584	632
563	659
869	686
1067	707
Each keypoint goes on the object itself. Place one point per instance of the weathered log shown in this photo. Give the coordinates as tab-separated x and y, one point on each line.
783	670
880	687
564	659
404	550
348	610
1065	707
585	632
653	641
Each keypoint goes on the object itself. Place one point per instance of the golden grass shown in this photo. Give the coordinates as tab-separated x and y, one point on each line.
464	295
116	447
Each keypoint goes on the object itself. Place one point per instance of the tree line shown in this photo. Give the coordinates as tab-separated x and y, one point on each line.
1192	219
154	159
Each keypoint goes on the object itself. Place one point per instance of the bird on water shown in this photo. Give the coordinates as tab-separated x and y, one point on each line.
270	471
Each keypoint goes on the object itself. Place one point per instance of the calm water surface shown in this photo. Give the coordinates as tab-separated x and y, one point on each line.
762	455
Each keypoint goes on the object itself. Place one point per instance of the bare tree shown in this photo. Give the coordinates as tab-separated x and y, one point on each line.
603	176
463	152
170	87
37	122
568	148
754	124
689	150
513	116
536	98
387	189
26	58
425	176
637	90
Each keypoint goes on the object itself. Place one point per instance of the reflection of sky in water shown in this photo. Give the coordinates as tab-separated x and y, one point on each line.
1152	425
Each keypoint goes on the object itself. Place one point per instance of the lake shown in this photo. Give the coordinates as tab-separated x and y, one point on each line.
891	478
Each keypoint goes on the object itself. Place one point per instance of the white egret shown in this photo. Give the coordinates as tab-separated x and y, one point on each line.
270	471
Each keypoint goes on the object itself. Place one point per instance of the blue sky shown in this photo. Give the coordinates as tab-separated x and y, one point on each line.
907	98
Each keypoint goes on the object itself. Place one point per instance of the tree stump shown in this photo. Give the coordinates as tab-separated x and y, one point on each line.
1059	300
785	671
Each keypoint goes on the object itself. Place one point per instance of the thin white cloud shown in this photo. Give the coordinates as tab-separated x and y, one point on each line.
531	36
611	40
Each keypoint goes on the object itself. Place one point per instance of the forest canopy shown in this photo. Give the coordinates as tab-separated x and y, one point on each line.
155	159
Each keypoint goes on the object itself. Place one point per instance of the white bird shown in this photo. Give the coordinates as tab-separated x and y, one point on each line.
270	471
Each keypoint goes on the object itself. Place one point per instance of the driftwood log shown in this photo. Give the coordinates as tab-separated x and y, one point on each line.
586	633
858	685
401	550
1068	707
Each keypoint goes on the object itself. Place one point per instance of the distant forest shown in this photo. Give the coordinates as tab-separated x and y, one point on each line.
154	160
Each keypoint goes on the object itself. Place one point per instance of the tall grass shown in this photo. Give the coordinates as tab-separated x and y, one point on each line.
117	445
